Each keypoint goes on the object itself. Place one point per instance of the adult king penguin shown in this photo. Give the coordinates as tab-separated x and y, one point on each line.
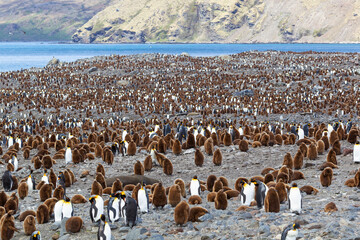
35	236
7	181
143	199
113	207
247	193
68	155
295	199
195	186
130	212
290	232
261	191
104	232
96	208
356	152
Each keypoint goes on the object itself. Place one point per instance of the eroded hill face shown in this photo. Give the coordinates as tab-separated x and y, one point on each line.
224	21
45	20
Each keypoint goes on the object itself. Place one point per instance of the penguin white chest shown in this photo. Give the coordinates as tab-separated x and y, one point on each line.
292	234
143	201
67	210
194	187
68	156
295	200
30	184
356	153
249	192
58	210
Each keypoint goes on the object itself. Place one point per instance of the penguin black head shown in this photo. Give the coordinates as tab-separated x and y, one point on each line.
92	200
255	182
294	185
102	217
35	235
195	177
123	195
296	226
357	143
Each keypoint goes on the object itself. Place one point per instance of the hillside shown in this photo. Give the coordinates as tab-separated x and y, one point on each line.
45	20
231	21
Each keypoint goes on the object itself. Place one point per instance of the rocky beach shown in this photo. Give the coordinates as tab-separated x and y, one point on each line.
94	101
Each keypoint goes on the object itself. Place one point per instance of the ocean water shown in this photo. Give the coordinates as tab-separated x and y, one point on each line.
19	55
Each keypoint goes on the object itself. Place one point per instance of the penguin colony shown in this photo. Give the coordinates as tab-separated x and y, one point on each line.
43	153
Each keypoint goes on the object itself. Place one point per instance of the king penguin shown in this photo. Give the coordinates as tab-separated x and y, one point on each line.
68	155
14	161
31	183
290	232
300	133
195	186
10	141
35	235
130	211
45	178
96	208
260	193
58	210
356	152
295	200
122	205
143	199
104	232
7	181
113	210
247	193
67	209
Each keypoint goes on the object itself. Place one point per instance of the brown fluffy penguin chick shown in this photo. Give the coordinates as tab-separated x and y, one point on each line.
40	184
224	181
357	179
7	227
96	188
209	146
181	213
50	203
194	200
23	190
159	196
101	179
26	213
232	193
37	163
3	198
325	139
327	164
211	197
131	150
174	196
288	161
217	157
272	203
98	151
78	199
52	178
148	163
281	190
210	182
2	213
72	176
199	157
297	175
67	179
298	159
312	152
243	146
167	167
176	147
42	214
267	170
45	192
352	136
117	186
74	224
196	212
309	189
181	184
221	200
29	225
138	168
350	182
337	147
59	193
100	169
331	157
268	178
108	156
304	149
218	185
330	207
326	177
26	154
320	146
333	137
227	139
135	191
47	162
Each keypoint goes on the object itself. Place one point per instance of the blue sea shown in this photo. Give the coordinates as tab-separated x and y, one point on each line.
23	55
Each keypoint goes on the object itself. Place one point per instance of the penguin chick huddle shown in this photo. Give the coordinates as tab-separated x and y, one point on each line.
99	156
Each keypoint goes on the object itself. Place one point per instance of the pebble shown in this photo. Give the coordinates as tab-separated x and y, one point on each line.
136	233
